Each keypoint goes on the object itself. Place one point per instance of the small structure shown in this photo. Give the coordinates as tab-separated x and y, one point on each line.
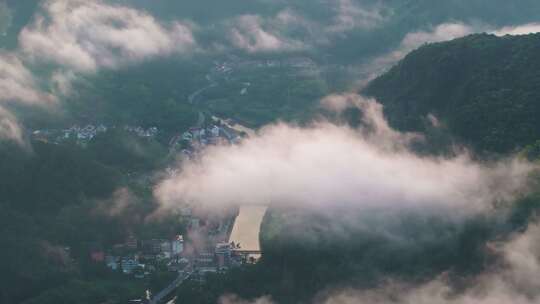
129	264
112	262
131	243
177	245
223	255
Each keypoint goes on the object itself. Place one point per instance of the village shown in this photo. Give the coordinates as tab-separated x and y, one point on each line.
209	243
208	246
211	252
82	135
220	132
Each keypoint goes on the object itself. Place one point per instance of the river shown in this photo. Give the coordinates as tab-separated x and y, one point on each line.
247	228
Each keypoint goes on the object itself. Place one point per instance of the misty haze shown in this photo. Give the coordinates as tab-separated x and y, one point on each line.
270	151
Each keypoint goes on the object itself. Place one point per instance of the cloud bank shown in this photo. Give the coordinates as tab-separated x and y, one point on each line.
289	30
9	127
17	85
516	280
350	16
253	34
88	35
411	41
325	164
525	29
76	36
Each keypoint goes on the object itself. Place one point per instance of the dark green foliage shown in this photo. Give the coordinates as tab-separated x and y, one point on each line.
154	93
532	151
57	202
88	292
126	151
51	177
482	87
274	94
306	252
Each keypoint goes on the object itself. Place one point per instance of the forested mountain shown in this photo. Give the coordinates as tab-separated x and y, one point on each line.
54	205
483	88
59	199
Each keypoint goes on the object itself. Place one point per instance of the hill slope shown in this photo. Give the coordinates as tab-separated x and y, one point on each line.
485	89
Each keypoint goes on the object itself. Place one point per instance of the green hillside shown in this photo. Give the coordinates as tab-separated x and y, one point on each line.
482	87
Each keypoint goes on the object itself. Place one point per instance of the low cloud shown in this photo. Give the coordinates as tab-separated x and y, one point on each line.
325	164
9	127
290	30
88	35
78	36
253	34
118	204
17	85
232	299
525	29
413	40
349	16
515	280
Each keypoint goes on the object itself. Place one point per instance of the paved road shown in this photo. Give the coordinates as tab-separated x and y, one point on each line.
193	97
169	289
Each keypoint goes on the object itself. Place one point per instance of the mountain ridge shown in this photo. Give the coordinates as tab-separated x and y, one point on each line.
484	88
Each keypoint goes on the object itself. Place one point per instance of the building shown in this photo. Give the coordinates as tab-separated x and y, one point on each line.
129	265
177	245
214	131
112	262
205	263
166	248
187	136
153	246
131	243
205	259
223	255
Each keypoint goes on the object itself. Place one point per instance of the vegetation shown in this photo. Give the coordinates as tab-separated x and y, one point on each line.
483	88
309	252
306	252
58	200
272	94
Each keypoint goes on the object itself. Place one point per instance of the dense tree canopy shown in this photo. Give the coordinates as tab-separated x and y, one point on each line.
483	88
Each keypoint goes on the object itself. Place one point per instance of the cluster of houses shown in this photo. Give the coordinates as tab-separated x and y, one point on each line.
227	67
81	134
218	259
141	257
218	254
85	134
196	139
142	132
